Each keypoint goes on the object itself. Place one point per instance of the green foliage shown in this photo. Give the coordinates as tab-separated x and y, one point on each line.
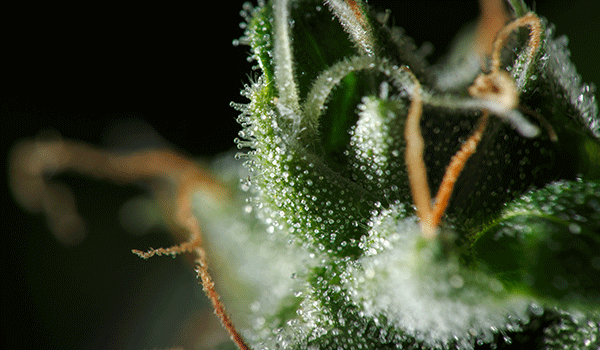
547	243
328	199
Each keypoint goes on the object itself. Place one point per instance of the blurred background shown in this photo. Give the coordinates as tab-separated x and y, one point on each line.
120	76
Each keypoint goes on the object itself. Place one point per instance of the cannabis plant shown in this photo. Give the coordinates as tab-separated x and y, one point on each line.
333	239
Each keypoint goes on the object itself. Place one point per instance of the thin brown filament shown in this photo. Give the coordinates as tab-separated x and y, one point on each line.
492	18
185	247
543	121
457	163
31	160
498	86
209	288
535	31
417	171
189	222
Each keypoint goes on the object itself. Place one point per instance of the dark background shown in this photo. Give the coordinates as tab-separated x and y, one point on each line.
83	70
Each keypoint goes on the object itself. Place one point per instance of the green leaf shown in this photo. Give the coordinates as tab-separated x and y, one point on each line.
547	244
313	51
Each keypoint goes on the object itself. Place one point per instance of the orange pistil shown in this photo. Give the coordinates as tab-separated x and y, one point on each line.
417	171
457	163
496	86
535	32
492	18
185	218
31	160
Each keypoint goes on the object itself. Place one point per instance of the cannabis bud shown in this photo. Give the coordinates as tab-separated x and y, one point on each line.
348	129
334	236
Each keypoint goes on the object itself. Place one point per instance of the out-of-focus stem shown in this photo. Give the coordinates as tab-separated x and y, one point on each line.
492	18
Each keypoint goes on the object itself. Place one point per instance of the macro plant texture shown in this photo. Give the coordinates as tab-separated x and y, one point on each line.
334	240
